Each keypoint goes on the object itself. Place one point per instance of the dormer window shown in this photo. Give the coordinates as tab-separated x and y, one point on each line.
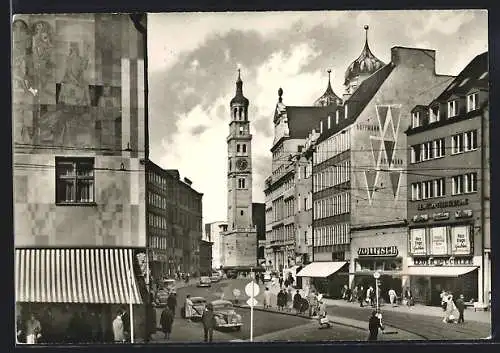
452	109
433	114
329	122
472	102
416	121
320	127
337	116
346	111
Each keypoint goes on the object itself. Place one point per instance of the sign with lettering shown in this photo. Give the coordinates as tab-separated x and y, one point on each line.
463	214
441	216
420	218
443	204
418	245
378	251
439	241
460	240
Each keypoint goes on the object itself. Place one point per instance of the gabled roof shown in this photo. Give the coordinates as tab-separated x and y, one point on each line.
359	100
301	120
469	78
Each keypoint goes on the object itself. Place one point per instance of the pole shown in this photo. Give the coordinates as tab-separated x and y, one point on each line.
376	295
251	308
131	307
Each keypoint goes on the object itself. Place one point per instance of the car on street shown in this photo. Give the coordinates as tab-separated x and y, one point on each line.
215	277
199	305
204	282
168	284
226	316
161	298
232	274
267	276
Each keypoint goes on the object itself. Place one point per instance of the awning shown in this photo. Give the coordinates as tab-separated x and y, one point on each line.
321	269
98	276
440	271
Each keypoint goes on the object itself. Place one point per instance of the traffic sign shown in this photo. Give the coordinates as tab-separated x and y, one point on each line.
376	275
252	302
252	289
236	292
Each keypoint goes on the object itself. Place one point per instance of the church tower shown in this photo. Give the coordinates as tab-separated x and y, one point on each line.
241	237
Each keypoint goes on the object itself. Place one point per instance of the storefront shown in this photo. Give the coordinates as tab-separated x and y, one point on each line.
326	277
441	258
76	293
382	251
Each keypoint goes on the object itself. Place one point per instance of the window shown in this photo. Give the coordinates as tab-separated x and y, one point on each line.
244	148
74	180
439	187
415	120
457	144
439	148
433	114
237	148
470	182
415	153
241	183
472	102
470	140
457	185
329	122
427	189
452	109
427	151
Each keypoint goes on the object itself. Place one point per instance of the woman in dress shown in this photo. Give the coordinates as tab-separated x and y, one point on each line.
451	312
188	305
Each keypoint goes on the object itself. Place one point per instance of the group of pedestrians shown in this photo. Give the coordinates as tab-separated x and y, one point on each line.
453	309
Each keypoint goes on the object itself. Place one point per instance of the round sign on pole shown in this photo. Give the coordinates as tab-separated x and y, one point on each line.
252	289
376	275
236	292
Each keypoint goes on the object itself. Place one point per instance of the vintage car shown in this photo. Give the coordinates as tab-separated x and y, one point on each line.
226	316
199	304
267	276
204	282
161	298
215	277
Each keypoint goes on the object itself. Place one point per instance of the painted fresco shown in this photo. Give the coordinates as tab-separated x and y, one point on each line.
65	94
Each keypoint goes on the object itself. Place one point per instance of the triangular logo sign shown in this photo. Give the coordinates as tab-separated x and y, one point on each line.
395	176
389	149
395	116
370	175
376	149
382	116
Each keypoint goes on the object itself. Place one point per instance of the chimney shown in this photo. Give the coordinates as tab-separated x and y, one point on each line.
187	181
414	58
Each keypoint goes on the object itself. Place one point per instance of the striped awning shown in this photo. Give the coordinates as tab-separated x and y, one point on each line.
98	276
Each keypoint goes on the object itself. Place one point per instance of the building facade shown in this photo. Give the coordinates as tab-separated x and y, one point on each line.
240	240
205	258
174	223
288	188
449	190
214	233
80	136
359	162
259	220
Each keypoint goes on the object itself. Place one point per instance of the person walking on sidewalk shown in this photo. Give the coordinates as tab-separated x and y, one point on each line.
297	298
361	296
392	296
166	322
323	315
461	307
118	328
374	324
188	307
208	320
33	330
172	302
267	298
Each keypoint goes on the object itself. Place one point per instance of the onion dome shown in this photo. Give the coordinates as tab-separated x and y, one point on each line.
239	98
365	64
329	97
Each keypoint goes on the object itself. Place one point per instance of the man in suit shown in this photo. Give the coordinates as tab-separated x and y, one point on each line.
460	304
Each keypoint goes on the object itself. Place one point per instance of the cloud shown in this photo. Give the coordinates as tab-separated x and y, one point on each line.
198	130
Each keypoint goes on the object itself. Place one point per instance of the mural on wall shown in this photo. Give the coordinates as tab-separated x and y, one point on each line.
60	97
383	147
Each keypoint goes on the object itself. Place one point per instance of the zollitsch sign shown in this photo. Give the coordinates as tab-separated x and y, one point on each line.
378	251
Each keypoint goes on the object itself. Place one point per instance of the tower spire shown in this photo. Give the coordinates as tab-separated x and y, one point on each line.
239	97
366	34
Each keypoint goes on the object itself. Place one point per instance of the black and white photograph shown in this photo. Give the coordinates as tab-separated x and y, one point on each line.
214	177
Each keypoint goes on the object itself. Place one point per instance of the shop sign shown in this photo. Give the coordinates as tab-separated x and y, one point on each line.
417	242
378	251
439	243
420	218
460	240
463	214
441	216
443	204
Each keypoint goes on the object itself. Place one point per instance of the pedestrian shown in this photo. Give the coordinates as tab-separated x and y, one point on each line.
296	302
172	302
289	299
374	324
369	292
349	294
166	321
323	315
188	307
344	292
208	320
313	304
361	296
443	296
451	313
281	281
461	307
118	328
392	296
373	295
408	297
33	330
267	298
355	294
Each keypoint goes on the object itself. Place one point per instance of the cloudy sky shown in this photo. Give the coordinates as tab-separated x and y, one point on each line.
193	62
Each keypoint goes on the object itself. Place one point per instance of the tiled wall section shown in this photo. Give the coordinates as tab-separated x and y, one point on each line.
78	90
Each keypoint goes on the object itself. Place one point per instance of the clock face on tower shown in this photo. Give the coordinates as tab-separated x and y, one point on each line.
242	164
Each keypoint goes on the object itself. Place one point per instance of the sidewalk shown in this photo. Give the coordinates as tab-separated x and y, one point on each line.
470	314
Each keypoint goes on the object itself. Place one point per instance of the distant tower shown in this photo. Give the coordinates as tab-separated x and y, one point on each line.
361	68
329	97
241	238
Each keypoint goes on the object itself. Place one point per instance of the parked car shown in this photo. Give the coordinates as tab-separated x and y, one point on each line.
226	316
168	284
199	304
232	274
204	282
216	277
161	298
267	276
